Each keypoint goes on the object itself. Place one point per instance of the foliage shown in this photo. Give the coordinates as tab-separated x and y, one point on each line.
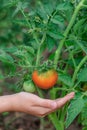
28	28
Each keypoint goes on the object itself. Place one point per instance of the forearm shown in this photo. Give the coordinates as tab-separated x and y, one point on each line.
6	103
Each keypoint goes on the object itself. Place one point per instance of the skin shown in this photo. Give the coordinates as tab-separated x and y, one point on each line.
32	104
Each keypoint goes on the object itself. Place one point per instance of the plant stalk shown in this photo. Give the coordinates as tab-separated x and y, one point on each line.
29	25
78	68
39	50
61	43
58	124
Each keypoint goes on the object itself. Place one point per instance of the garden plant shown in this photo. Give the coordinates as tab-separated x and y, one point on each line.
44	44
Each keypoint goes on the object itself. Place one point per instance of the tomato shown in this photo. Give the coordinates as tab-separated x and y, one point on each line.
45	80
28	86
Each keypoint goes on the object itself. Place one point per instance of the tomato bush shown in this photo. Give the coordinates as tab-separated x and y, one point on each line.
32	33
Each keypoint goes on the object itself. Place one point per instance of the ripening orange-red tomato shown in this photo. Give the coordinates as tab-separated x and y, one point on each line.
45	80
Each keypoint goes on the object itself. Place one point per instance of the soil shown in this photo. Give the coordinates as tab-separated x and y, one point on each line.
22	121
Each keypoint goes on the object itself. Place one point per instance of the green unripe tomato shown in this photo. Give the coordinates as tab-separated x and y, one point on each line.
28	86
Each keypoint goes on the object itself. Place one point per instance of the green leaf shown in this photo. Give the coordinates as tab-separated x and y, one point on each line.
82	76
25	54
64	6
8	3
78	25
54	31
23	51
45	10
48	7
50	43
5	57
5	114
30	50
84	128
57	19
20	22
55	34
1	76
74	109
84	116
19	54
27	49
20	5
42	12
82	44
66	79
12	49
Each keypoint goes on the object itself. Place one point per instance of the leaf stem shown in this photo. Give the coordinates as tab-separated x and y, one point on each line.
39	50
58	124
61	43
78	67
29	25
84	6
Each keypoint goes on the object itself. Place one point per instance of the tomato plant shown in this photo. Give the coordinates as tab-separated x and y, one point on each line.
45	80
36	32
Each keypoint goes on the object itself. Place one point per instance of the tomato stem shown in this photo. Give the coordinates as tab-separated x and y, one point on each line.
78	68
39	50
29	25
61	43
59	125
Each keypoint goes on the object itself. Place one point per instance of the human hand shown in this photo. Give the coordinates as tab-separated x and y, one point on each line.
34	105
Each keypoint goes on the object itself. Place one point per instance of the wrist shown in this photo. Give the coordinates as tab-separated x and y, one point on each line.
7	103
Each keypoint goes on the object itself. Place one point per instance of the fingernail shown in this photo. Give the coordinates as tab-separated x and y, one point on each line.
71	94
53	105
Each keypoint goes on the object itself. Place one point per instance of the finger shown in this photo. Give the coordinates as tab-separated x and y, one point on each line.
53	104
46	103
59	103
62	101
68	96
40	111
